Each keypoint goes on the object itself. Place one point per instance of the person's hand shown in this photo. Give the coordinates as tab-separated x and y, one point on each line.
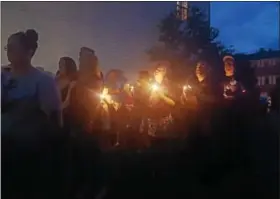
108	99
161	94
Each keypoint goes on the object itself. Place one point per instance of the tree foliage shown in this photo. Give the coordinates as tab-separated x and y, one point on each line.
244	72
183	43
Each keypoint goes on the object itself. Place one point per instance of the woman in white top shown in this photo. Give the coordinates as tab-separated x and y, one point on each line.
22	82
31	107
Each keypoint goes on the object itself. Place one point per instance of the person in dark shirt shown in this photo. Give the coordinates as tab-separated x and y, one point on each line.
86	118
67	74
160	105
233	89
236	121
208	95
66	79
141	103
208	92
141	90
84	97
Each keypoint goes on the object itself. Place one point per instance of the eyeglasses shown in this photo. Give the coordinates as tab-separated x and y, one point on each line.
12	48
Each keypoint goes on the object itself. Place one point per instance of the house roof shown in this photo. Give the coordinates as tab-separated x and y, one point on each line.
258	55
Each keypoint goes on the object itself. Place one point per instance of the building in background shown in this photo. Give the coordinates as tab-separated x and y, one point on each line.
267	68
266	65
183	8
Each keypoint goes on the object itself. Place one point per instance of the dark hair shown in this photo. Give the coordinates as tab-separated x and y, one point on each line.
87	50
70	67
28	39
144	75
228	58
203	64
57	73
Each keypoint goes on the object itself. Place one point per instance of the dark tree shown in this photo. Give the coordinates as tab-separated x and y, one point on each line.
244	71
183	43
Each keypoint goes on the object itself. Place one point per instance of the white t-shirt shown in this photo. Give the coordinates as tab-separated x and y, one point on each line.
34	84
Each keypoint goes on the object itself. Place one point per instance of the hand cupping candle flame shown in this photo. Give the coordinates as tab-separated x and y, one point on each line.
155	87
187	87
131	88
104	96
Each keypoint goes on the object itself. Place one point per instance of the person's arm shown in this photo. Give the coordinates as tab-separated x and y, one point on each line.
50	100
66	103
167	99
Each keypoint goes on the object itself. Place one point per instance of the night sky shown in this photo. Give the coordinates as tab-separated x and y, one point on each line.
121	32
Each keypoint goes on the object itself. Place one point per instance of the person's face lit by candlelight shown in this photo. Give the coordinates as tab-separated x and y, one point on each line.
201	71
229	66
159	74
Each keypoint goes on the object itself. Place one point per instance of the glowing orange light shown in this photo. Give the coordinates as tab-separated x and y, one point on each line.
155	87
102	96
187	87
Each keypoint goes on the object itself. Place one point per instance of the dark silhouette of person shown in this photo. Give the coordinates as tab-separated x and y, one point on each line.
208	95
32	114
66	79
86	124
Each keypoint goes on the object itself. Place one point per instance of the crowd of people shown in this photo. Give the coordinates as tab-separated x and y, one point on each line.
61	136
